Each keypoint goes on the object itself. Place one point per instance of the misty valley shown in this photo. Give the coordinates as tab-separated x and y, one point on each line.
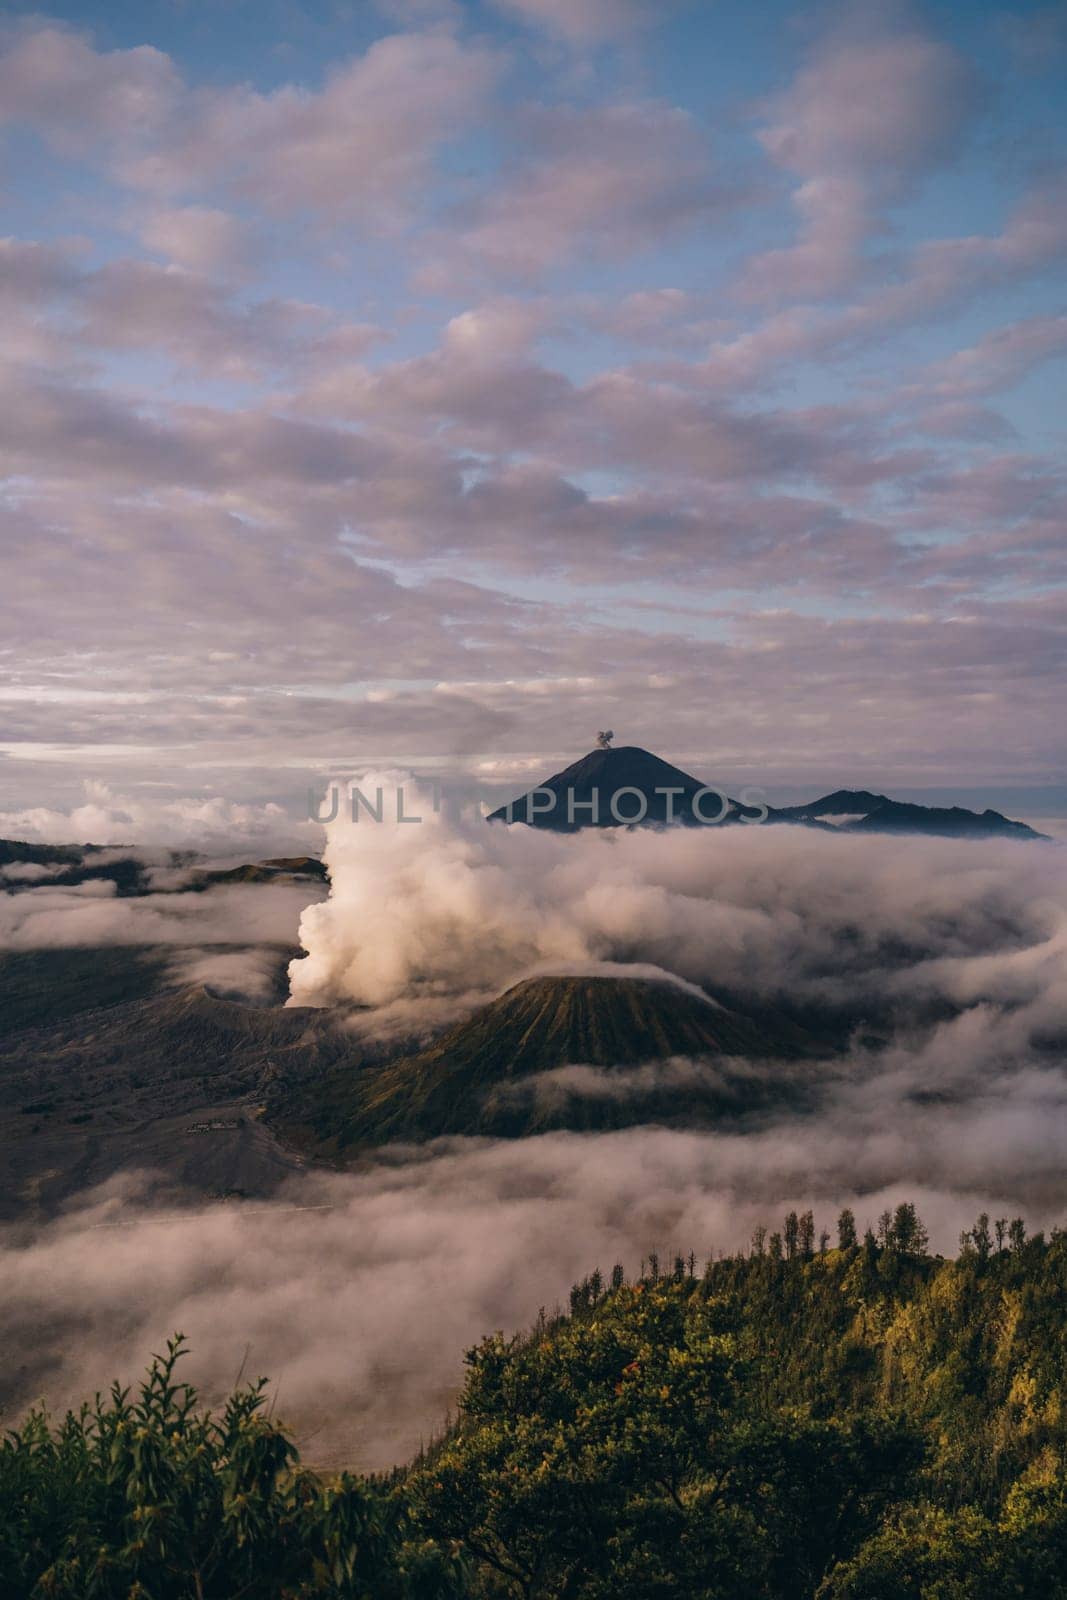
689	1126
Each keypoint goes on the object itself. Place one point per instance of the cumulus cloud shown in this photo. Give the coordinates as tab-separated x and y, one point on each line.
862	121
53	78
604	179
998	360
201	238
361	145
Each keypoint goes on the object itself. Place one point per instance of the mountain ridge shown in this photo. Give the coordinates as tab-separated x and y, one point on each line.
625	786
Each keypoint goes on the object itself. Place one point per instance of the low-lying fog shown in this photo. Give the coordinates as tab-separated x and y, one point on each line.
358	1292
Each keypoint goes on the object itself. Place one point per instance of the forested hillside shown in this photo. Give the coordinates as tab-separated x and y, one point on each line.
853	1420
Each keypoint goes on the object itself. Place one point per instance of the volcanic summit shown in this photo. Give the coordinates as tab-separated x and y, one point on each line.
609	788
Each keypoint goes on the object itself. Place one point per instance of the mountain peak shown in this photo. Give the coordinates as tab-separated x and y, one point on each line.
613	786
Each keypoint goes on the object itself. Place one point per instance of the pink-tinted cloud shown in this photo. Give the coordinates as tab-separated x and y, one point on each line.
529	448
77	97
361	146
860	124
200	238
586	21
604	179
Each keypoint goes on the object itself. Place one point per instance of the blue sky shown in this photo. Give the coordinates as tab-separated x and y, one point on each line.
499	371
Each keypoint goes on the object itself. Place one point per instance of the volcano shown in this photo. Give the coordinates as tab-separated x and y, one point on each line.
529	1061
609	788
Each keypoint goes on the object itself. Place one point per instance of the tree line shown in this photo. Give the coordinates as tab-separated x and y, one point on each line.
801	1420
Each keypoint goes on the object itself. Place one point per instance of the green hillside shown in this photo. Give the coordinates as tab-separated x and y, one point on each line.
863	1422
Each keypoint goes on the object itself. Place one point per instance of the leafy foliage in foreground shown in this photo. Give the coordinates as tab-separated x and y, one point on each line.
154	1499
860	1423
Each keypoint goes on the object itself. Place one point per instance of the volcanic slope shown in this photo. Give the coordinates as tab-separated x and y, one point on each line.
859	811
529	1061
583	794
172	1085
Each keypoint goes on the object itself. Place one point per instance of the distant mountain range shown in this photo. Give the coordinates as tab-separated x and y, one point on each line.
859	811
25	865
630	786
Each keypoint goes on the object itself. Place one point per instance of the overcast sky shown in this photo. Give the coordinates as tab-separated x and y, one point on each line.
439	382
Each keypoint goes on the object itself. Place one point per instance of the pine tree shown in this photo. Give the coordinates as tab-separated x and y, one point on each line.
806	1236
906	1235
846	1230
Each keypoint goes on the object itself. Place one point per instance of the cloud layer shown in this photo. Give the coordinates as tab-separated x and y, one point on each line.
359	1293
358	400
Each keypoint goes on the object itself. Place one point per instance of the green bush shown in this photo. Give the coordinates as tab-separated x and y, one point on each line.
154	1499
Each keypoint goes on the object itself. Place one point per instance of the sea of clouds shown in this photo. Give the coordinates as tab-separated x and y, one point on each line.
358	1291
